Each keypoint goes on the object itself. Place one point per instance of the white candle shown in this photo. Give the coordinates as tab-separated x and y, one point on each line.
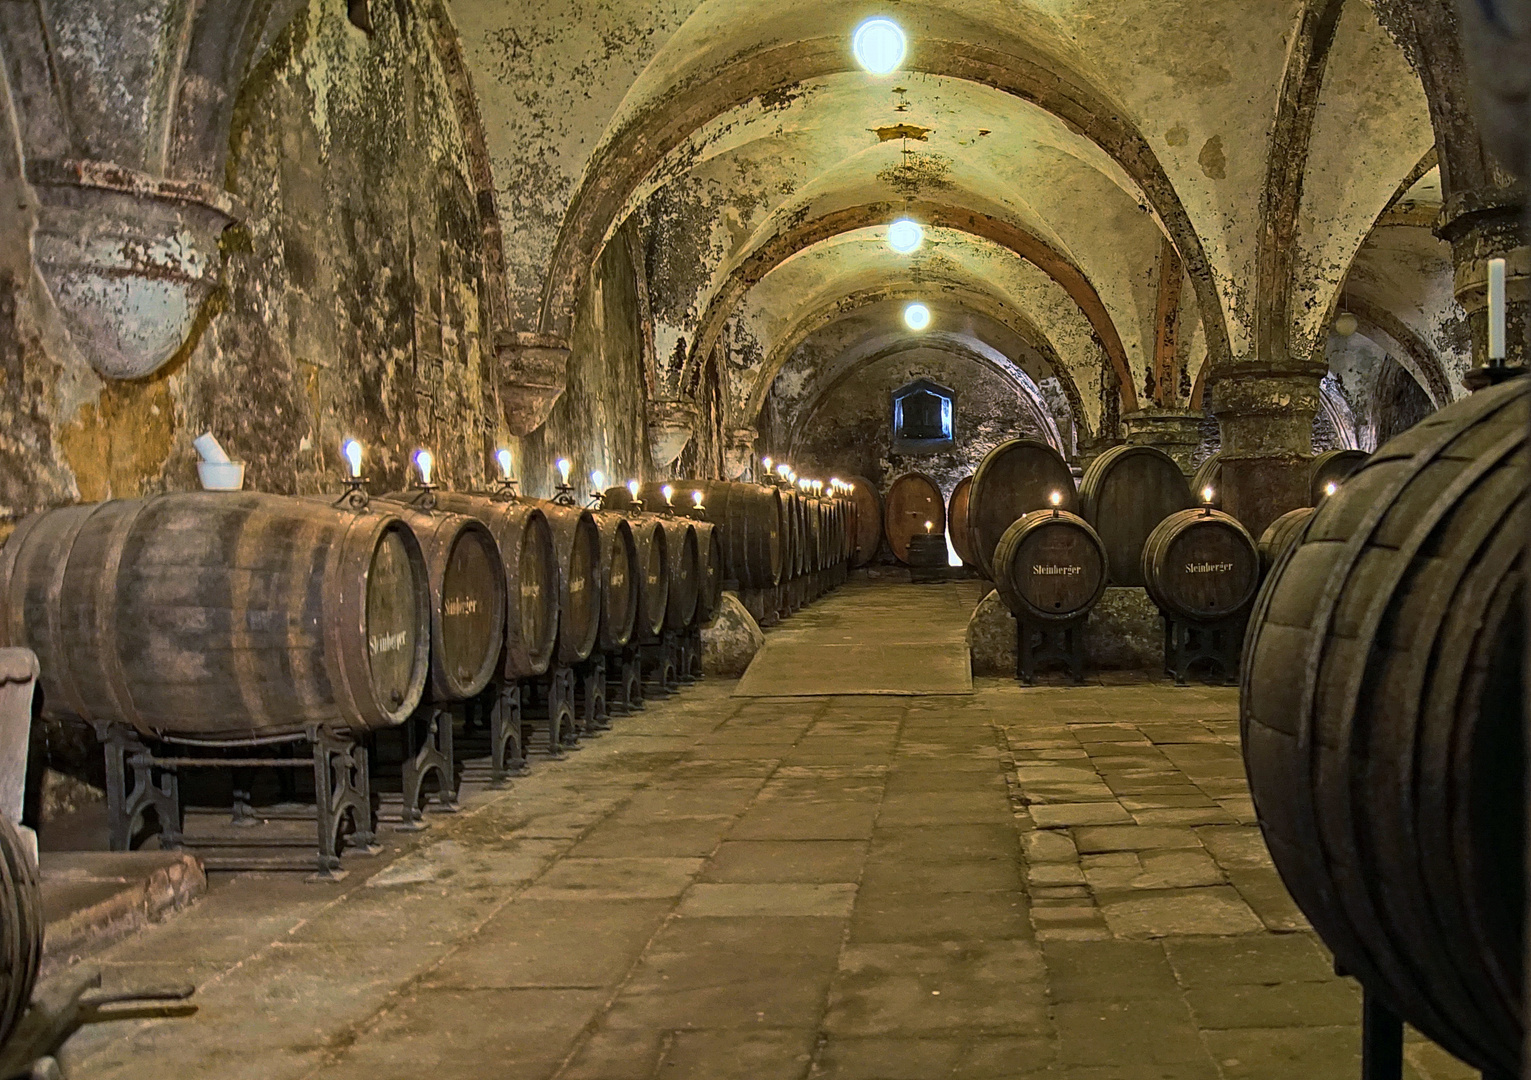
503	457
564	466
632	489
668	492
352	451
424	461
1496	309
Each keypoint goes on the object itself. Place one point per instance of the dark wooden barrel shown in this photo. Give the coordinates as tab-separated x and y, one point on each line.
577	543
527	551
1282	534
753	520
619	582
866	520
913	500
957	521
653	573
1014	479
1050	567
224	616
813	528
1209	474
1125	493
1332	467
709	553
685	572
1381	720
927	551
467	579
21	918
1201	565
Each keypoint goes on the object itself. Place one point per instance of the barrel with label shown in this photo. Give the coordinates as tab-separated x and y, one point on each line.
224	616
1050	567
653	574
1330	469
1125	493
619	582
913	500
525	541
577	544
957	521
1201	565
1015	479
866	520
1281	535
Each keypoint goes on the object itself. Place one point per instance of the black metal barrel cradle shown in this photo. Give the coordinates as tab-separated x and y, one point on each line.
1050	568
1202	568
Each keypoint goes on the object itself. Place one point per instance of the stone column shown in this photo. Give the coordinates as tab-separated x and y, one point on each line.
1266	418
1175	431
1481	226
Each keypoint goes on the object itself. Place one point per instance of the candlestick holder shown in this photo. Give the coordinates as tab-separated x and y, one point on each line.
355	496
424	497
565	496
597	501
504	490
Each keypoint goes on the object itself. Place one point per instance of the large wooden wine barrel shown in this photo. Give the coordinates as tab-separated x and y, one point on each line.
709	585
653	573
577	544
813	531
1332	467
224	616
525	540
957	521
1282	534
913	500
1125	493
866	520
1014	479
21	927
753	520
1209	474
1050	567
619	582
1201	565
685	572
467	579
1381	720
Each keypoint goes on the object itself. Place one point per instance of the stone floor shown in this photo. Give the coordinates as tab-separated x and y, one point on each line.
1051	882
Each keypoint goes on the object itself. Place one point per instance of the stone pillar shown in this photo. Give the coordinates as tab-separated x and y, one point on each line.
1266	419
1175	431
1481	226
739	453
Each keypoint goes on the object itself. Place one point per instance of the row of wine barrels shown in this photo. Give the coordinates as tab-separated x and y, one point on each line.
527	553
1201	565
1125	493
21	927
1050	566
467	580
577	546
913	500
221	616
753	519
1013	480
619	582
1381	721
653	574
957	521
866	520
1282	534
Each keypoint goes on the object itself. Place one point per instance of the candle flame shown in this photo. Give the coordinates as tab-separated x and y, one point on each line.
564	467
632	489
783	469
352	451
425	461
502	456
1207	494
1056	498
669	494
766	462
696	499
929	525
1331	487
598	478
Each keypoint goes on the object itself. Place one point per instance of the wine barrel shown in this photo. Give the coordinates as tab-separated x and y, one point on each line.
1282	534
685	572
913	500
1050	567
525	540
709	551
619	582
1125	493
1201	565
813	531
225	616
927	551
653	574
1381	720
1209	474
21	919
957	521
467	576
753	519
577	544
866	520
1332	467
1015	479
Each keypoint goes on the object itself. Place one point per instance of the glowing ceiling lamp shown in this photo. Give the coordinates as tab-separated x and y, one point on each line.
917	316
905	236
879	45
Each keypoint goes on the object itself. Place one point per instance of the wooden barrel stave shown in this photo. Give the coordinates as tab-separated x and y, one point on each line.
1013	480
1125	494
619	582
1050	567
913	500
1201	565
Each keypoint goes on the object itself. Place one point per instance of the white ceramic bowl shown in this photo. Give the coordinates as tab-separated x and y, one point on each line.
221	475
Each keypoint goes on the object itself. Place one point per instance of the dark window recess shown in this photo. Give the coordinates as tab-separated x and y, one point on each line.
922	416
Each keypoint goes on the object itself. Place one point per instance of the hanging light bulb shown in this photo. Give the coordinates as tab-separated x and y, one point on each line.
879	45
565	466
502	456
425	461
1346	324
669	494
353	452
905	236
916	316
632	489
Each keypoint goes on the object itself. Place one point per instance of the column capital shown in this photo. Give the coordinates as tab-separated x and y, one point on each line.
533	372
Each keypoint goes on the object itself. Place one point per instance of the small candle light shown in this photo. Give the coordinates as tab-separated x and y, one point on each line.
928	526
818	487
352	451
425	461
696	499
669	494
804	484
783	469
632	489
1207	494
766	463
502	457
1056	498
565	466
834	483
598	478
1331	487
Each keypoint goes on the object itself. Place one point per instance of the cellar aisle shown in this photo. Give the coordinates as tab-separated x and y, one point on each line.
1056	882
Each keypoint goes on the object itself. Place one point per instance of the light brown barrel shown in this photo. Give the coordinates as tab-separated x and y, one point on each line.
1050	567
225	616
1382	724
1281	535
577	544
799	527
467	580
709	551
1125	493
753	520
525	540
1201	565
653	573
913	500
957	521
685	572
866	520
1014	479
1332	467
619	582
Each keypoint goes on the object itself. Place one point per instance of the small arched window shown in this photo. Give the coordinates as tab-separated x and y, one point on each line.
924	414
